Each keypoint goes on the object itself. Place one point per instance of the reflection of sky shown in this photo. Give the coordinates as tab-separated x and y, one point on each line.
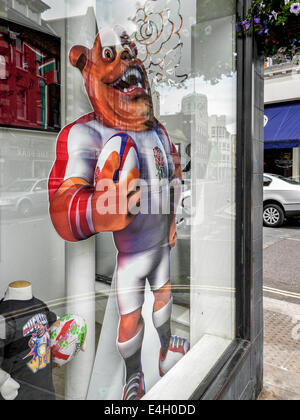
221	98
112	12
121	12
67	8
109	12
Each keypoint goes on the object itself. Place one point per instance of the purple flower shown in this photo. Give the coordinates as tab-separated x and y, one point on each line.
246	25
256	20
295	8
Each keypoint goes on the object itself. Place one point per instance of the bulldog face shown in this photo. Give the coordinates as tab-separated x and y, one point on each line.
116	81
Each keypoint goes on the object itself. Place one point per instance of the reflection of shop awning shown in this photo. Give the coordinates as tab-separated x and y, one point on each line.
282	126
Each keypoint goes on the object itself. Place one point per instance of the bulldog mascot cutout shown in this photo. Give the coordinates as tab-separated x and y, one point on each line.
117	85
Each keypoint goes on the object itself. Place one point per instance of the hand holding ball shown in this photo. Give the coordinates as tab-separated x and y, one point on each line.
126	148
117	194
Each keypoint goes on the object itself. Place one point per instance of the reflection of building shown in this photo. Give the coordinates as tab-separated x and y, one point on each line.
24	153
221	145
26	157
30	154
24	12
195	111
190	126
77	30
30	95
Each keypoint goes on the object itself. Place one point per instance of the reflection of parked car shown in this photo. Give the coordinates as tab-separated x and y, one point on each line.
281	200
24	196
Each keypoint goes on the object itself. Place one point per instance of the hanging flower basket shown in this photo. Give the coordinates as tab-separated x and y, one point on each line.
277	25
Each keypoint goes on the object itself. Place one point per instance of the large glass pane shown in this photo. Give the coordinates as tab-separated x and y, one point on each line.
214	175
39	94
160	79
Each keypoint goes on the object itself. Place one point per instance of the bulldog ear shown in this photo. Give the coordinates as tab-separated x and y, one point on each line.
79	56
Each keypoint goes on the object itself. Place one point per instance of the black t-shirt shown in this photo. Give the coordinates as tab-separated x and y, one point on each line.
25	353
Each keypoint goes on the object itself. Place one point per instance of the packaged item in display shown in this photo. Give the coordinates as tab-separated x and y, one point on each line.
68	336
25	352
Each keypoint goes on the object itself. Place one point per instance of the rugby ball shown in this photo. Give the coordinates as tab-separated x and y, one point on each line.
67	338
127	149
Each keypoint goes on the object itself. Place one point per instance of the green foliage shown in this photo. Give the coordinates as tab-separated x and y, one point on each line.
277	25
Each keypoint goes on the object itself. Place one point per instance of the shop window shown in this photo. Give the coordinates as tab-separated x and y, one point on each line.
176	290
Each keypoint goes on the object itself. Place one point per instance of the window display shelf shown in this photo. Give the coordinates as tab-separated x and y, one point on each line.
182	381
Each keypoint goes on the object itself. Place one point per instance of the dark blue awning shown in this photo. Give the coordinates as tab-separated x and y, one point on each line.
282	126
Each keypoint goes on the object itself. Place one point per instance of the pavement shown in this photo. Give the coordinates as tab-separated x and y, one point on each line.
282	313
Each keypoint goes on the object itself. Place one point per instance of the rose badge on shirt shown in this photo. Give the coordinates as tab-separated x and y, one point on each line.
39	343
160	163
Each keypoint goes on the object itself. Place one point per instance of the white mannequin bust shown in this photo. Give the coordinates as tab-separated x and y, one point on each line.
19	290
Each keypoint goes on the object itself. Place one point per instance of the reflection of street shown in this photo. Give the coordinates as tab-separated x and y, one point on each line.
15	219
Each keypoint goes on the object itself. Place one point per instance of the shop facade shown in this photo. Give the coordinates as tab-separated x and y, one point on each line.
282	135
206	88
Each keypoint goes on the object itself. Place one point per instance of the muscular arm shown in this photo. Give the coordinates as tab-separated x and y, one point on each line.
71	182
70	210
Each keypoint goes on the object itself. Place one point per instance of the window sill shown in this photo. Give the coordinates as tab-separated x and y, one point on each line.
184	379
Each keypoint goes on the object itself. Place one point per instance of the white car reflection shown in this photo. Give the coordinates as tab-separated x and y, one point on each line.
281	200
24	196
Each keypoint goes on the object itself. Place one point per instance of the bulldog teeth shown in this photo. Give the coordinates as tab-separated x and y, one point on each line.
131	78
132	72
